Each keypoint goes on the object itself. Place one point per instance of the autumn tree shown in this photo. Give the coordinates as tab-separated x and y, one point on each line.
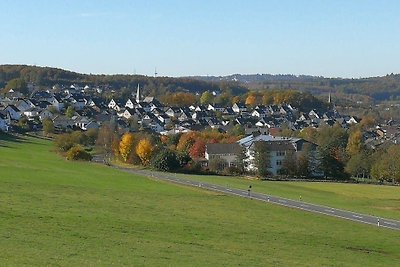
64	142
198	149
251	100
144	150
367	122
91	136
206	98
332	154
78	153
236	99
224	99
179	99
267	98
186	141
388	167
126	146
106	136
359	165
309	133
48	126
355	143
237	130
17	84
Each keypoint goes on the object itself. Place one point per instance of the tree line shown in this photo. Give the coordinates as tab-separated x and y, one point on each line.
155	86
340	154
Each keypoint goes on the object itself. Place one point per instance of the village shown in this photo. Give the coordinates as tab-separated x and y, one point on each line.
82	108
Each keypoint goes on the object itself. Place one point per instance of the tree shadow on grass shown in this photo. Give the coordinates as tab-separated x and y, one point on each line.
6	138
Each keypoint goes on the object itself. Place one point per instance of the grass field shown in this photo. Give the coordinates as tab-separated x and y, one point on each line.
55	212
383	201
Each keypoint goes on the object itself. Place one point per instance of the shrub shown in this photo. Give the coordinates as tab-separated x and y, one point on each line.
64	142
165	160
217	165
78	153
183	158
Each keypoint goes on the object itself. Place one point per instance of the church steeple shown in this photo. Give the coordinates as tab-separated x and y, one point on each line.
138	94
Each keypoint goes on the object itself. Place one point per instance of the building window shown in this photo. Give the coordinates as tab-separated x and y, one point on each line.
279	163
280	153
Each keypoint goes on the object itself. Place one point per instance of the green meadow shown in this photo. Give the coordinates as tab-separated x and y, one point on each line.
383	201
56	212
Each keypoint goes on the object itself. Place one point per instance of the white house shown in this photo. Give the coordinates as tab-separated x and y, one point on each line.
112	104
57	102
130	104
31	112
215	107
278	148
78	101
128	113
258	113
239	107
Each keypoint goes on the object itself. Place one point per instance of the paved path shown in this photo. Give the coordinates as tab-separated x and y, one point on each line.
348	215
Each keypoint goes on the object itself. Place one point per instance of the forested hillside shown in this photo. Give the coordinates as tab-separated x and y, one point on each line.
377	88
45	76
364	89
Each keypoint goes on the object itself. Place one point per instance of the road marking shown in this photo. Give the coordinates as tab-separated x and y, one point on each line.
302	205
214	187
230	190
283	201
390	223
356	216
330	210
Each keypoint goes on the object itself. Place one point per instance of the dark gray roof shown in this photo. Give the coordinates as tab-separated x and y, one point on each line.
223	148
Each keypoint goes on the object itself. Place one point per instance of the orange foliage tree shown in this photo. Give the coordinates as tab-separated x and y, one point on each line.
186	141
198	149
144	150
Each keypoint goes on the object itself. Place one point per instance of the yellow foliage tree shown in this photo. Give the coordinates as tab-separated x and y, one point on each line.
126	145
144	149
355	143
268	98
251	100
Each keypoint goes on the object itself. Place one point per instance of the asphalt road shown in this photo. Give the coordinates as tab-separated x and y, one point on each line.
343	214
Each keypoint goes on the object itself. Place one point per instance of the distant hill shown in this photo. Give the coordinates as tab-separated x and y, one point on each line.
46	76
369	89
378	88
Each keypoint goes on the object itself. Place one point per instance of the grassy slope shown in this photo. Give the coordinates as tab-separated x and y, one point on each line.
370	199
55	212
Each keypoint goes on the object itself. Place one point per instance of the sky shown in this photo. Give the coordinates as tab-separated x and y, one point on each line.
331	38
